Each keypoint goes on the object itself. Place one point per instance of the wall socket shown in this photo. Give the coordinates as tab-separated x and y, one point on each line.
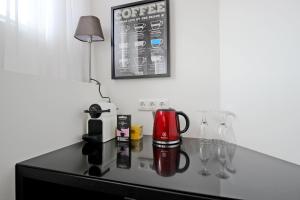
153	104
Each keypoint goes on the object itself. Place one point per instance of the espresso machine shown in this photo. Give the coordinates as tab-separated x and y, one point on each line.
101	123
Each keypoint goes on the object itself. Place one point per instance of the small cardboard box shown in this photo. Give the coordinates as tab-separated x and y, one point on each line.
123	128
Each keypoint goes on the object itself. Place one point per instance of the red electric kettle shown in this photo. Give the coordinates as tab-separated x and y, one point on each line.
166	128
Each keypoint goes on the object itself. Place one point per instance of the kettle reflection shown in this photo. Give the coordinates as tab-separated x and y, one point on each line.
100	158
167	160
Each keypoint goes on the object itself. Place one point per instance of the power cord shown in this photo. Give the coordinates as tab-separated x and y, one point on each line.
99	85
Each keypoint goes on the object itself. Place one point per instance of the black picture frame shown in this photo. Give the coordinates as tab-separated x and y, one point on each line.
155	48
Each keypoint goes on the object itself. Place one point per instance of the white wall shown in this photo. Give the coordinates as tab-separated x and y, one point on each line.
194	83
235	55
260	62
37	115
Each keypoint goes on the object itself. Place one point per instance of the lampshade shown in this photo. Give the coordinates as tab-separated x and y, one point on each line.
89	29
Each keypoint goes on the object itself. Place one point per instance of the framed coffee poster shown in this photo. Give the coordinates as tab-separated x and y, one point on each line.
140	40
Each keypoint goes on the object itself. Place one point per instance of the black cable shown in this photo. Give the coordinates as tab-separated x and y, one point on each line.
99	84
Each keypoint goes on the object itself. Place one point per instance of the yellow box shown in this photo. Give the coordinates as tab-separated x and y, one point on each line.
136	132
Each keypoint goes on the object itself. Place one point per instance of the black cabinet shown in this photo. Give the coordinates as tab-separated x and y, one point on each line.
36	184
195	170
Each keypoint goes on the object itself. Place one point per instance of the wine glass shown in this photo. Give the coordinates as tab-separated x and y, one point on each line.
221	155
204	155
204	125
222	125
225	130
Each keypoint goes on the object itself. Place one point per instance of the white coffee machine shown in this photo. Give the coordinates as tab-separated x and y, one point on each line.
101	123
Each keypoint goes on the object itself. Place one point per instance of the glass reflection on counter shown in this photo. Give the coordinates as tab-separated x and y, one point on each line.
100	157
216	154
221	157
205	156
231	148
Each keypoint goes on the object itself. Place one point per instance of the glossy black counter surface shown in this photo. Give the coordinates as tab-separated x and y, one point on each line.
210	168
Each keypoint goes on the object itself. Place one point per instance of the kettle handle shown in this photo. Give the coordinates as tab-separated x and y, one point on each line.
187	162
187	122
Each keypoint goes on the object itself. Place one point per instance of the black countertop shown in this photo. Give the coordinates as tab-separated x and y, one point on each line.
211	168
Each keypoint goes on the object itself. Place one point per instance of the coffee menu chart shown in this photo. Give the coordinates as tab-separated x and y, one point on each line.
140	40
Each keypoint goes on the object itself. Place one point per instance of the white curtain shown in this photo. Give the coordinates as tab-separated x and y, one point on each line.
36	37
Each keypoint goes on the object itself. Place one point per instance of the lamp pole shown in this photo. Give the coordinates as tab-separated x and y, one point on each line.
90	60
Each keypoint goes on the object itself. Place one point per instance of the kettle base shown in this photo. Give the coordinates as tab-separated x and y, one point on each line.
161	142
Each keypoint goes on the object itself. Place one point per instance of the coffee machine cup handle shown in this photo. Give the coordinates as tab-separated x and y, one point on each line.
187	122
187	163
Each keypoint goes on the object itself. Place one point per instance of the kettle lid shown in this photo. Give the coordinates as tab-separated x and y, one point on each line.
165	109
